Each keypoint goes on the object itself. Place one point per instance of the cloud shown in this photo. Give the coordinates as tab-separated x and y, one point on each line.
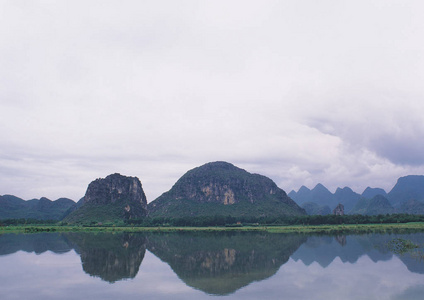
388	125
302	92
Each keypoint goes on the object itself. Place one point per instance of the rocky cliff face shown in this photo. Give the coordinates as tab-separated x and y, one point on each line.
220	188
339	210
113	198
115	188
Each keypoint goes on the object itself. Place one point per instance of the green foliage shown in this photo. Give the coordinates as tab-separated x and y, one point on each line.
313	208
15	222
190	208
375	206
220	220
220	188
107	214
401	246
228	221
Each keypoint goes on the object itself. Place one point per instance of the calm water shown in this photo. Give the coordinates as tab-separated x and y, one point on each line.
198	266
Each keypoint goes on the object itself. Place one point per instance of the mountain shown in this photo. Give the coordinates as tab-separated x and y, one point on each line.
313	208
379	205
319	194
413	207
323	198
220	188
302	196
12	207
346	197
111	200
370	193
407	188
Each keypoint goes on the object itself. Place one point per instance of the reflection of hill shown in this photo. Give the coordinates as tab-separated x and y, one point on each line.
221	263
111	257
324	249
414	261
37	242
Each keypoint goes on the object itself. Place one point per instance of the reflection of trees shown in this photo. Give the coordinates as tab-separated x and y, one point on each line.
221	263
111	257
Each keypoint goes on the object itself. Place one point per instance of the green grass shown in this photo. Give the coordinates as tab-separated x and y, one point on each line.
325	229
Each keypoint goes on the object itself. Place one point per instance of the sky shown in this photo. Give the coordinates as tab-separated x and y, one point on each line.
301	91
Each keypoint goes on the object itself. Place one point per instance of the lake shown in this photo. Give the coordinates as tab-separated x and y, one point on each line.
230	265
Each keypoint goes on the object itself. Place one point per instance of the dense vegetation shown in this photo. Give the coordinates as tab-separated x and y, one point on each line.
110	200
218	220
14	222
220	188
230	221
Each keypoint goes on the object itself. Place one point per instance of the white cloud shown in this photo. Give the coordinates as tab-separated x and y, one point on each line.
303	92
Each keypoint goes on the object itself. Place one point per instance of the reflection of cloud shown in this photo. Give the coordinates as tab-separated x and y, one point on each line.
411	293
50	276
362	280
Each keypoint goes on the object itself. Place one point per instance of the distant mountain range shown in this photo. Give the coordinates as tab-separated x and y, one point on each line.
407	196
12	207
214	189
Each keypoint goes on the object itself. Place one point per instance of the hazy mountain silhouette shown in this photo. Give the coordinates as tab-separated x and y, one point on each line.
370	193
407	188
375	206
12	207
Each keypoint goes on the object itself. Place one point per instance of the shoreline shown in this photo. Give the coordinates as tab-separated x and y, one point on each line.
325	229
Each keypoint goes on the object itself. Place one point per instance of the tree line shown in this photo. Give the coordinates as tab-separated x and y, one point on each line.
231	221
219	220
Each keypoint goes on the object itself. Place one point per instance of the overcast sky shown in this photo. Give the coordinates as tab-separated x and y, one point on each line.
301	91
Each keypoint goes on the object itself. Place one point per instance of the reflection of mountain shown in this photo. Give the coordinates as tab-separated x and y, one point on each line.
37	242
219	263
216	263
415	260
111	257
324	249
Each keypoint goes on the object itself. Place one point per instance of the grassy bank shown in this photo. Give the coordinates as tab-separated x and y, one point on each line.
326	229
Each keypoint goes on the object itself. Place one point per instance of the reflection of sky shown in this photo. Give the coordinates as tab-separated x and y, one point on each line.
53	276
362	280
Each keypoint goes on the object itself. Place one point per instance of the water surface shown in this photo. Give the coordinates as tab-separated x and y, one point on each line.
203	265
